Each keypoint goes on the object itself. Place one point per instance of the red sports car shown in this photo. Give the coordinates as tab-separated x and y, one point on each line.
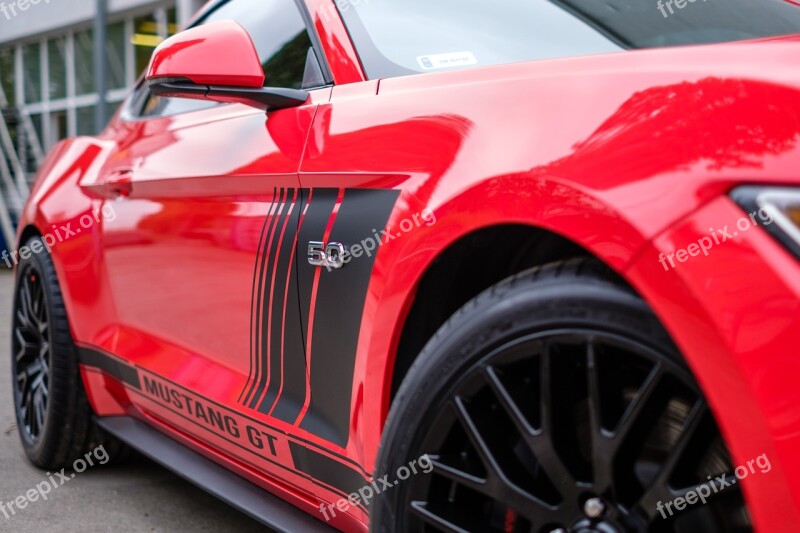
513	265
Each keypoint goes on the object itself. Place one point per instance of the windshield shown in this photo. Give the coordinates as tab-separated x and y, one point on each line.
399	37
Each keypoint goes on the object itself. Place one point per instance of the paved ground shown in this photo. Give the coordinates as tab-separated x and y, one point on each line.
137	497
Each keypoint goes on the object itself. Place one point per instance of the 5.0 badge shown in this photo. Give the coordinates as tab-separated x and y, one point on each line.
331	256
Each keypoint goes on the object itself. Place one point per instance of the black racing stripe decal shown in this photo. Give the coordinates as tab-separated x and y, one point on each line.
327	470
314	224
110	365
255	294
279	293
262	332
337	473
316	214
290	395
256	306
341	296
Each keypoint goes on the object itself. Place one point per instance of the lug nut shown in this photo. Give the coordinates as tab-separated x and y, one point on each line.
594	507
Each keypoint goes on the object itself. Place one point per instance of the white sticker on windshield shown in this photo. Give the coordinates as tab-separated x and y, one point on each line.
452	59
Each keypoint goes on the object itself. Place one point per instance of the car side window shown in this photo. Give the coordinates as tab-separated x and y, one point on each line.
281	40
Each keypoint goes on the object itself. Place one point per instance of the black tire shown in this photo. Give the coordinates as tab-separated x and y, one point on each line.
506	401
55	424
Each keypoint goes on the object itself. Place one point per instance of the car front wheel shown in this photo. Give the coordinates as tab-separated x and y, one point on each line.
54	418
554	402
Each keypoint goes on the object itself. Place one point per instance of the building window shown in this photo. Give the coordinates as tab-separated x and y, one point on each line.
58	126
38	126
52	80
146	38
32	72
115	56
172	22
7	74
84	121
84	62
57	68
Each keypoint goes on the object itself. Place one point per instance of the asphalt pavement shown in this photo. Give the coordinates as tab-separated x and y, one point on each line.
138	496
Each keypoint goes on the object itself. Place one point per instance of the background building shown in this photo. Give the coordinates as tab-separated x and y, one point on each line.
49	88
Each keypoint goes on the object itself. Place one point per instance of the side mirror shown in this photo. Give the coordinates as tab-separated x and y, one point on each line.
218	62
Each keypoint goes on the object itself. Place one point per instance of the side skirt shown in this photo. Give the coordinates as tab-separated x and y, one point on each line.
211	477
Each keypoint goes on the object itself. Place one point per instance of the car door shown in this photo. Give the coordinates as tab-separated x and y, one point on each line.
201	266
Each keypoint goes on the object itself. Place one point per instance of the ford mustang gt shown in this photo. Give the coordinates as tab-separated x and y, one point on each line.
456	265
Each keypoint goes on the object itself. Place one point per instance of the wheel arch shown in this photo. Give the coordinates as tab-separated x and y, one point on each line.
28	232
492	254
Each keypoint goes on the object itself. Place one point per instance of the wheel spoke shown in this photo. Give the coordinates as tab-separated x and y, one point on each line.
27	303
29	409
37	382
44	348
22	383
638	405
40	408
34	369
24	321
593	381
540	443
461	477
421	509
26	349
498	485
477	440
659	489
38	301
603	443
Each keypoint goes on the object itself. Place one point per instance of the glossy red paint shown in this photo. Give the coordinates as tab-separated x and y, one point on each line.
220	53
739	338
626	155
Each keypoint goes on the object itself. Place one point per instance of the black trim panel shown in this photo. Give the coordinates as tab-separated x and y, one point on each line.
110	365
325	469
211	477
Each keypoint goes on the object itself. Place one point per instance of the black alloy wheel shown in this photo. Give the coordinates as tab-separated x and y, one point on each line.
31	351
54	418
555	403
